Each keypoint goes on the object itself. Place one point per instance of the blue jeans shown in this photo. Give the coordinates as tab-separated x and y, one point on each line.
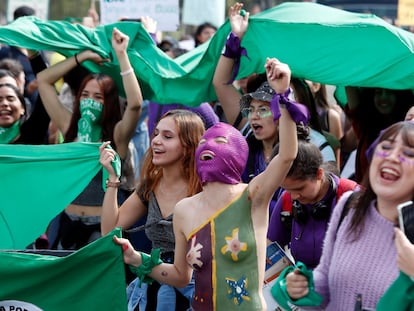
137	296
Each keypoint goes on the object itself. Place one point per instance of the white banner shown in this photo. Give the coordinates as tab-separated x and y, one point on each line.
196	12
405	13
165	12
40	6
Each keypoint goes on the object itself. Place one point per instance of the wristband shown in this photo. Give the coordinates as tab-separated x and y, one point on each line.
126	72
233	49
148	262
112	184
298	112
76	59
116	164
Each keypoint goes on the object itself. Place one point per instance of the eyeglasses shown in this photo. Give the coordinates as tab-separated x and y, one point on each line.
261	112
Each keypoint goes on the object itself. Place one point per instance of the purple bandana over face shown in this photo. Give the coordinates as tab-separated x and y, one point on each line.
221	155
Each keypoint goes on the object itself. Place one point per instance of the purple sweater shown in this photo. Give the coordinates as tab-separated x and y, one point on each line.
367	266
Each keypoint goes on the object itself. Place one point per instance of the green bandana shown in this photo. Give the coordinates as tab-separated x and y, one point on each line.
399	296
8	134
279	291
89	129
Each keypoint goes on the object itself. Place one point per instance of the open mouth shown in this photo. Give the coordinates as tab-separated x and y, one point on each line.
256	126
157	151
207	155
389	174
5	112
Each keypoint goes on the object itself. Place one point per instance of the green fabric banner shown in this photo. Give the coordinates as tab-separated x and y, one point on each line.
38	182
319	43
92	278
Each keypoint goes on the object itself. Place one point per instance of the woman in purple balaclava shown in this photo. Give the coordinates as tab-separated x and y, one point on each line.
220	233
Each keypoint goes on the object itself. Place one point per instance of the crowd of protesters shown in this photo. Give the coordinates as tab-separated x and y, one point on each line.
207	188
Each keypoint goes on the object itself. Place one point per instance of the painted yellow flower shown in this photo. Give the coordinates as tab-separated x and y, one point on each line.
234	245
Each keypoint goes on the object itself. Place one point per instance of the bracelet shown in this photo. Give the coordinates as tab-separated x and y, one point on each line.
113	184
76	59
148	262
126	72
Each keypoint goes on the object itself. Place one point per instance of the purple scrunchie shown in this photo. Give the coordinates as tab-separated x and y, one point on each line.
233	49
298	112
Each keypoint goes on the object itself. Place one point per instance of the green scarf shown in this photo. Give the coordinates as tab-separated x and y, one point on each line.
9	134
399	296
89	128
279	290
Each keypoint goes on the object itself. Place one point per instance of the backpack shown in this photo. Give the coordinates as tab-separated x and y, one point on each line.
344	185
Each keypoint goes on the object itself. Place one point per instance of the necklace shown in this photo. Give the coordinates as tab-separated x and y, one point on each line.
170	193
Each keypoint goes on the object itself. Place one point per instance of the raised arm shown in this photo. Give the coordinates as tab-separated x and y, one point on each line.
125	129
112	215
46	79
278	76
227	94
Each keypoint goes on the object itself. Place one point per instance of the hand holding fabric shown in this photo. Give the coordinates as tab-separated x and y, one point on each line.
149	24
238	22
139	263
131	256
92	56
107	157
278	76
295	287
119	41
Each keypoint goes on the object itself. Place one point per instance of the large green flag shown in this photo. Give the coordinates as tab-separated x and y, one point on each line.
319	43
37	183
92	278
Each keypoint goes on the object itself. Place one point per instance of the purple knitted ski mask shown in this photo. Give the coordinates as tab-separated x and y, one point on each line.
221	155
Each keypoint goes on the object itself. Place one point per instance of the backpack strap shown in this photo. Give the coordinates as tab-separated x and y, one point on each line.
324	145
286	213
287	203
344	186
